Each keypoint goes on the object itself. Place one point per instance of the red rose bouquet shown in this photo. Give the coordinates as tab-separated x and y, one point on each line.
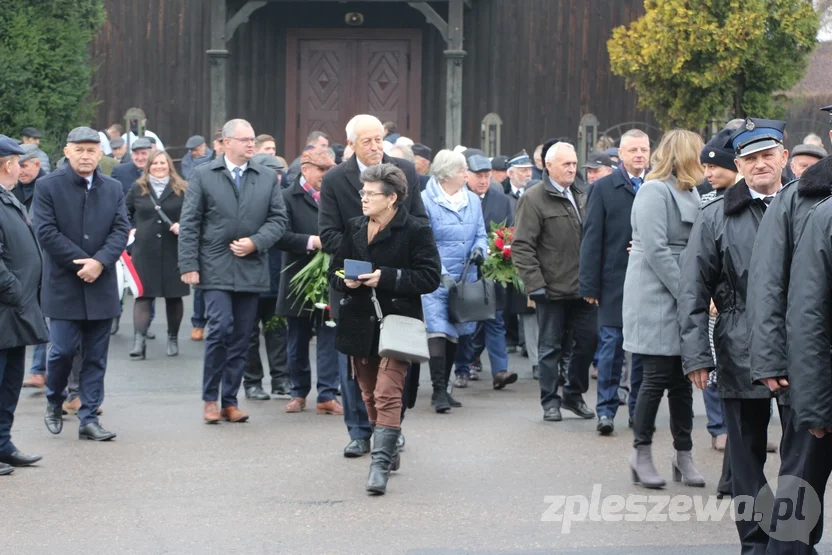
498	265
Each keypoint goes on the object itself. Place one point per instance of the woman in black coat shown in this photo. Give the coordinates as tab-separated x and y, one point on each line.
155	251
406	266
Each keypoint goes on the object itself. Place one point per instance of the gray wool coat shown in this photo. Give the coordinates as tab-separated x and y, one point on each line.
662	219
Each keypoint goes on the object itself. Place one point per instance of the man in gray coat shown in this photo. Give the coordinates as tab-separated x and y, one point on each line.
233	213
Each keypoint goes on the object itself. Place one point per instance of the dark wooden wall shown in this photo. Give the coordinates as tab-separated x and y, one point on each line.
540	64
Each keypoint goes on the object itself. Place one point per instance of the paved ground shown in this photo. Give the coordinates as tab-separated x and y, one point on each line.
472	481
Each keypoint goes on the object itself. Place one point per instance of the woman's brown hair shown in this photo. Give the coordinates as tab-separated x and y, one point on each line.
678	156
176	182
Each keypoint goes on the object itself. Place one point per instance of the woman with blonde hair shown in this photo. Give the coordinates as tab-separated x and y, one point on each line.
154	204
663	213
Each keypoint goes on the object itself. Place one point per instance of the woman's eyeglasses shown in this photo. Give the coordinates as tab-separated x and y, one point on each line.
364	194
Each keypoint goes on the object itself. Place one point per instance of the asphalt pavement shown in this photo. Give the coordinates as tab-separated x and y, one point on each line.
473	481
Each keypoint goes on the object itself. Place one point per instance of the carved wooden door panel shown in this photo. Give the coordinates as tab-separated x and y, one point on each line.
383	81
323	87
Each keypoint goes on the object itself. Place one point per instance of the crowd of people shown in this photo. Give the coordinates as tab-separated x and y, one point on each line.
653	270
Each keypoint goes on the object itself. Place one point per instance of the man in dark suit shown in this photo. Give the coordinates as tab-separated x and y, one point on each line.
81	223
128	173
340	202
490	334
607	234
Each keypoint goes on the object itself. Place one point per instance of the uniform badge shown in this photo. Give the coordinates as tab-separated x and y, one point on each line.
749	125
712	154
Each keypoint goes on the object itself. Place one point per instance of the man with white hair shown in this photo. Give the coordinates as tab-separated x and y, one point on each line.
404	141
547	243
341	202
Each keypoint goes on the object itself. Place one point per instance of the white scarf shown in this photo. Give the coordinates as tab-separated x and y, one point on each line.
159	185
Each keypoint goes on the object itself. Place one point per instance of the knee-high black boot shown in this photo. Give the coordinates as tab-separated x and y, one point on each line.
439	400
383	457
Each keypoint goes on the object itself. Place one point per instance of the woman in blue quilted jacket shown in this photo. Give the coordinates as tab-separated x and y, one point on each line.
456	219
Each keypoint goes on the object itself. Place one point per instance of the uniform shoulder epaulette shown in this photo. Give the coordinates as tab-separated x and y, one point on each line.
712	201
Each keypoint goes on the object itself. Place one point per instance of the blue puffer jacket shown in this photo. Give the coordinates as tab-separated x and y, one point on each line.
457	234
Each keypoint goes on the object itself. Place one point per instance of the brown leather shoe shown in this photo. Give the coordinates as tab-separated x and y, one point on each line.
718	442
211	413
197	334
297	404
35	380
233	414
330	407
72	407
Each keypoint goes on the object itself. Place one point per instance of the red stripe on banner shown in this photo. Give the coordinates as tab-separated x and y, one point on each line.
133	279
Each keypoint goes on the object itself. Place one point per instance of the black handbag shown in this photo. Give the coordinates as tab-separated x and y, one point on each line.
472	301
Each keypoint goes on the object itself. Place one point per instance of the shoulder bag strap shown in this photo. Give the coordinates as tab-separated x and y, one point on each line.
376	305
158	208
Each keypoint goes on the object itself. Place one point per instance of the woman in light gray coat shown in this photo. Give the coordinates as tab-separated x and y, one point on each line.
663	213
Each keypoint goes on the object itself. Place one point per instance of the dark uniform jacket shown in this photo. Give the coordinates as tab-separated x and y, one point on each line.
72	222
25	193
156	249
809	322
771	265
405	252
606	236
547	240
715	265
126	174
215	213
21	265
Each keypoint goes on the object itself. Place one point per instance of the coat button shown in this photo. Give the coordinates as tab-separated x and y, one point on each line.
159	235
86	236
158	221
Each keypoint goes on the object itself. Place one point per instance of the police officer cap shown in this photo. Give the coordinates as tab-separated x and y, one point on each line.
809	150
267	160
478	163
596	159
757	135
828	110
499	163
83	135
29	152
141	142
194	142
9	147
30	132
520	160
719	151
118	142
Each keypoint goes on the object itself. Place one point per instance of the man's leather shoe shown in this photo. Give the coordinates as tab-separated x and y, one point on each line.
605	426
197	334
54	419
35	380
256	393
72	407
95	432
578	407
297	404
5	469
357	448
19	459
282	391
211	412
503	378
552	415
330	407
718	442
233	414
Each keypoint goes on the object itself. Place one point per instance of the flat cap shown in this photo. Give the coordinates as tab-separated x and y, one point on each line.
29	152
809	150
195	141
596	159
479	163
118	142
9	147
30	132
267	160
499	163
421	150
757	135
317	157
141	142
83	135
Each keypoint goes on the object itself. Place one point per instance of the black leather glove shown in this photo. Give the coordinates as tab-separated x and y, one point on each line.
447	281
477	256
538	295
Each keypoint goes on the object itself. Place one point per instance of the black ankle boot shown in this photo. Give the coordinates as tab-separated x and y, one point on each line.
139	346
383	457
173	345
439	400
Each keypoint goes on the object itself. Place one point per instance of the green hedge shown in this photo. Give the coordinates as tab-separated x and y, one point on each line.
45	67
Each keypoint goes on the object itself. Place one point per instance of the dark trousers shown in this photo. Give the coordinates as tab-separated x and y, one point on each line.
299	331
804	456
198	319
610	363
92	339
662	373
276	353
747	424
12	369
355	411
555	318
231	317
490	335
512	325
